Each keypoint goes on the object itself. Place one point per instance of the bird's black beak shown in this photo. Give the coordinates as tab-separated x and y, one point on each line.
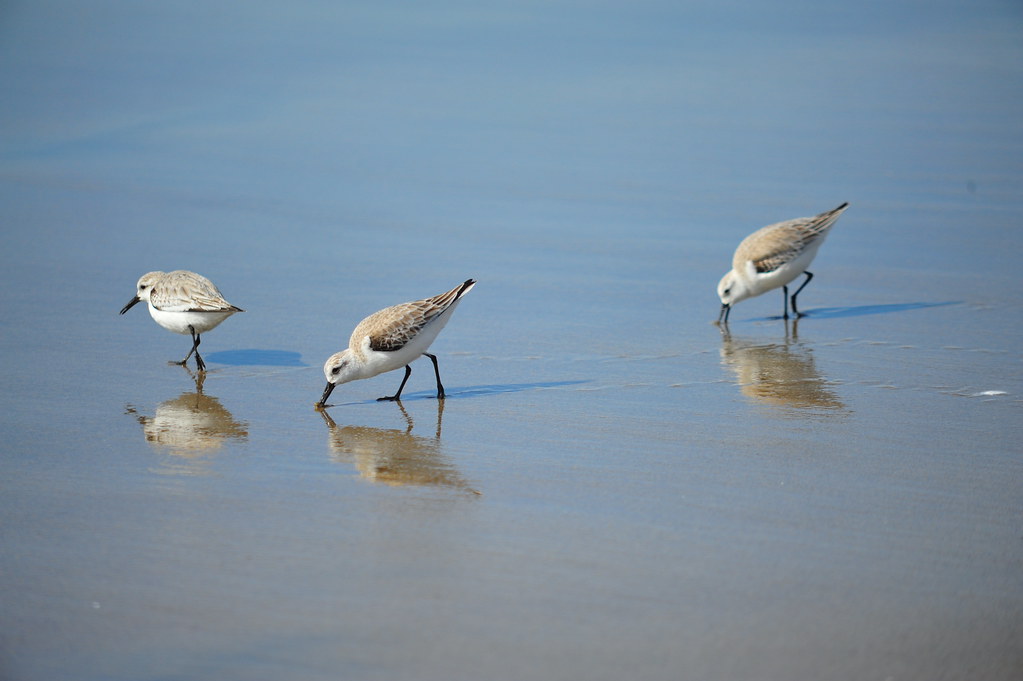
130	304
326	394
723	316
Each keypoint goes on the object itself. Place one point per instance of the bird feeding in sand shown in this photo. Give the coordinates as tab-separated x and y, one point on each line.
773	256
393	338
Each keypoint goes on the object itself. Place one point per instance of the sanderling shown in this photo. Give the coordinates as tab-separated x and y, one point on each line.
773	256
183	302
392	338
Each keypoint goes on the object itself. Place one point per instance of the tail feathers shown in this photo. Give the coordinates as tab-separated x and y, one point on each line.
823	222
444	300
465	288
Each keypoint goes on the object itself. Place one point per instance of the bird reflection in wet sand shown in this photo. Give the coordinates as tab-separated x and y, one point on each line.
394	456
779	374
190	426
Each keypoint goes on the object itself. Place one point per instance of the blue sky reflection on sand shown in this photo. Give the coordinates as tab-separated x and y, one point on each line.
257	357
614	488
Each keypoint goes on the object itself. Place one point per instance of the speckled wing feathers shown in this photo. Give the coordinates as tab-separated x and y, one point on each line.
773	249
183	291
775	245
391	328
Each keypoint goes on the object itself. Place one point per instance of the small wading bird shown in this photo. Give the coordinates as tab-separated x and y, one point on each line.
392	338
183	302
773	256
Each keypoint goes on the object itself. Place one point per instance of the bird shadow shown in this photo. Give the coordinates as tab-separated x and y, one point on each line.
860	310
257	357
864	310
472	391
499	388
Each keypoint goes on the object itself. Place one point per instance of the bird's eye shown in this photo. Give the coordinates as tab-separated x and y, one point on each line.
335	370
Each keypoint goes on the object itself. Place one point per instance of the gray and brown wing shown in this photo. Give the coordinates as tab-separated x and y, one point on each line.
184	291
775	245
391	328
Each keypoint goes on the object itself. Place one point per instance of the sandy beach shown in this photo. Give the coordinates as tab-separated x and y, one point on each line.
615	487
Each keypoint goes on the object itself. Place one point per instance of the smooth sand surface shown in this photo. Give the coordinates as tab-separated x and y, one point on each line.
615	488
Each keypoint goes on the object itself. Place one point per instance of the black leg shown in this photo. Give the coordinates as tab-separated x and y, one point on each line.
397	396
440	388
809	276
195	348
201	365
785	302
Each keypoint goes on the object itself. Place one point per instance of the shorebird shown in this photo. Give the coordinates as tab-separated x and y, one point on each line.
392	338
183	302
773	256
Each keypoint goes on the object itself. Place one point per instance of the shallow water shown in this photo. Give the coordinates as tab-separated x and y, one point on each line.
614	487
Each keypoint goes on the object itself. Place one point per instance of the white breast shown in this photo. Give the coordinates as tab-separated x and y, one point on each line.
178	322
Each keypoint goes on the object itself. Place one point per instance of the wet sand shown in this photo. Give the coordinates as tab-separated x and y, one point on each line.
615	487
